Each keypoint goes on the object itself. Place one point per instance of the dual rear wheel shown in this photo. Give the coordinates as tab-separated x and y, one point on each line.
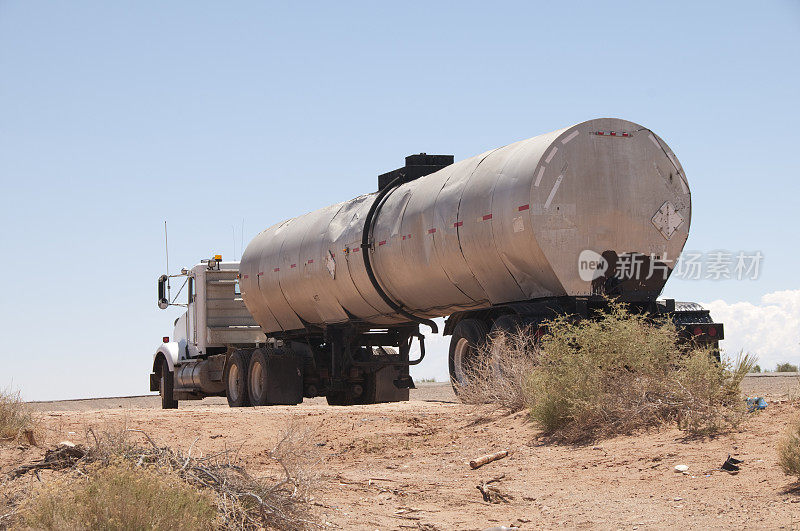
246	379
236	379
470	346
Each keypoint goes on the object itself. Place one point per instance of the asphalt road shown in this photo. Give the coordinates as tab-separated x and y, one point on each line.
771	385
425	392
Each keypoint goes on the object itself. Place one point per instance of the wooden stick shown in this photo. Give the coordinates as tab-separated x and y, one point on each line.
488	458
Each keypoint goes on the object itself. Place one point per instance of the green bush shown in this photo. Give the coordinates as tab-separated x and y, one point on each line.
621	372
786	367
756	369
789	450
120	497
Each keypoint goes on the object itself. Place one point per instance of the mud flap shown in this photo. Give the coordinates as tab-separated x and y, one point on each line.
284	380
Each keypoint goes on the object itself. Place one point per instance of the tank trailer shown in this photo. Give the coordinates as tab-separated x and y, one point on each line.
329	303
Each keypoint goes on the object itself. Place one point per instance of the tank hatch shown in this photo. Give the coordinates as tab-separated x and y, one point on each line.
417	166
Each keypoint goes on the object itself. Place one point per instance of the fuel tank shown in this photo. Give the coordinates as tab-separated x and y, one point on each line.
553	215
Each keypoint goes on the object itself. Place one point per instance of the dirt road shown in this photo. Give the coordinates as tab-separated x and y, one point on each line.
405	465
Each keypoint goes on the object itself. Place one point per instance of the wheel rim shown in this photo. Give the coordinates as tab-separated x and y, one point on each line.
494	361
459	355
256	380
233	382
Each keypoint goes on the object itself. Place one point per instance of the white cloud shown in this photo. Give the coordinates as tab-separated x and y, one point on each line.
770	329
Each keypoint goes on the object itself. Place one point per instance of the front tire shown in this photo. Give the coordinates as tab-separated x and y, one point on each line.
166	387
469	337
236	373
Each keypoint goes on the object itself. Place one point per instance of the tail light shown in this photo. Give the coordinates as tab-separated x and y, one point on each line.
697	331
165	339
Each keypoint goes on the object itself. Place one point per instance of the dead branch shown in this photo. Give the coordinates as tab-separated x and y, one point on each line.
492	493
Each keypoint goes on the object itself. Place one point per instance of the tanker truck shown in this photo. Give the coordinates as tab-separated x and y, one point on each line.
330	303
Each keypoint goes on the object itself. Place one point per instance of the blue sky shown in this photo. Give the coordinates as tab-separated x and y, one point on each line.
117	116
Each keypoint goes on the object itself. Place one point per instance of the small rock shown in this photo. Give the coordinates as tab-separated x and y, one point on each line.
681	468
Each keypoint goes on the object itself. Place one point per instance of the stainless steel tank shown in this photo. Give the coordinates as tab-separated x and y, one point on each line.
507	225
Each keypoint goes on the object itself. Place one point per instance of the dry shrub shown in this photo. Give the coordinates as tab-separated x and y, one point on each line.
501	375
622	371
613	374
789	450
15	415
709	392
238	500
118	496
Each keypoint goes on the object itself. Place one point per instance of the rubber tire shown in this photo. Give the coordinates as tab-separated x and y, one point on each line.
257	357
509	324
241	360
340	398
475	332
167	387
347	398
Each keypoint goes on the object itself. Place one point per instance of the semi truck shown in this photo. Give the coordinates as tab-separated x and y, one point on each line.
330	303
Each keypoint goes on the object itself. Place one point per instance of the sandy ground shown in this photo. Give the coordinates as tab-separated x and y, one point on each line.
405	465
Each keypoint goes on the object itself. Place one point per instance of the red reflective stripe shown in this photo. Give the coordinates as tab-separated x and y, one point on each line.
276	269
458	223
613	133
487	217
311	261
431	231
260	273
246	276
523	207
382	242
356	249
293	265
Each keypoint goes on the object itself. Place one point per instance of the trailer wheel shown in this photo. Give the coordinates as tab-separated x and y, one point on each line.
469	335
236	379
340	398
349	397
257	378
166	387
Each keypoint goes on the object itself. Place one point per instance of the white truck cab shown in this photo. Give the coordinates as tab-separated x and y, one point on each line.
190	364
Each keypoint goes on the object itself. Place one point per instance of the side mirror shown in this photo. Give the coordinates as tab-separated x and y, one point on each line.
163	301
